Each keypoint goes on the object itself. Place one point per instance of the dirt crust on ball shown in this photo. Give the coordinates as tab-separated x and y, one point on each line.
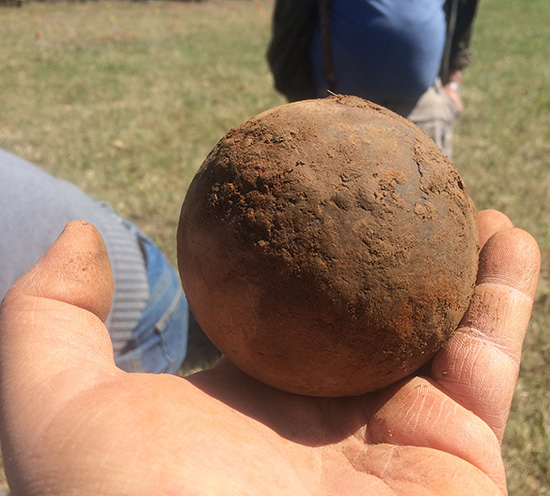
328	247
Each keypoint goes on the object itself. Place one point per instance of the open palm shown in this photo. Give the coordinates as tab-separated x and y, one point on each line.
72	423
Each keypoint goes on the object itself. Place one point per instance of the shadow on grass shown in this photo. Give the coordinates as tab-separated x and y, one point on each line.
201	352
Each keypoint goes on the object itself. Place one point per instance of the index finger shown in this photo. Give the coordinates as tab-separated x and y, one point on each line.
479	365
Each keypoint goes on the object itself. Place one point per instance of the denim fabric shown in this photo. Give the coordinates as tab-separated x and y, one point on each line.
159	340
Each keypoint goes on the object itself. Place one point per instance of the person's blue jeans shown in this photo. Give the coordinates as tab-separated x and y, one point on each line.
159	341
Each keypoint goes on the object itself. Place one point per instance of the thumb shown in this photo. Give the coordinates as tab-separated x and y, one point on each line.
56	310
52	318
75	270
53	343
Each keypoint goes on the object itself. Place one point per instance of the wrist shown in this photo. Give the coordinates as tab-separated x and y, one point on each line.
454	85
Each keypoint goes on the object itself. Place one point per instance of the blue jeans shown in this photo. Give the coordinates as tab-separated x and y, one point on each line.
159	340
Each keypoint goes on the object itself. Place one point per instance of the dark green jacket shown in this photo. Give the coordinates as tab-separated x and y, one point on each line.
294	22
460	22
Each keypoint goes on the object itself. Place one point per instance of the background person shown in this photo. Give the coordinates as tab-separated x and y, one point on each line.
406	56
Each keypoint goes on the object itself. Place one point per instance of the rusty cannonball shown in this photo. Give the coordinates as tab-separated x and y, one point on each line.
328	247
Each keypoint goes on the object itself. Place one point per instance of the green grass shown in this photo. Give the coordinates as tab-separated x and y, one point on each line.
503	152
126	99
504	138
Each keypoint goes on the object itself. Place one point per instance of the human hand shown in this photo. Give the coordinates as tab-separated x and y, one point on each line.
72	423
454	95
452	89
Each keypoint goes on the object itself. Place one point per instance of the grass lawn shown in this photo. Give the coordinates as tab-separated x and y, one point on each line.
125	99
